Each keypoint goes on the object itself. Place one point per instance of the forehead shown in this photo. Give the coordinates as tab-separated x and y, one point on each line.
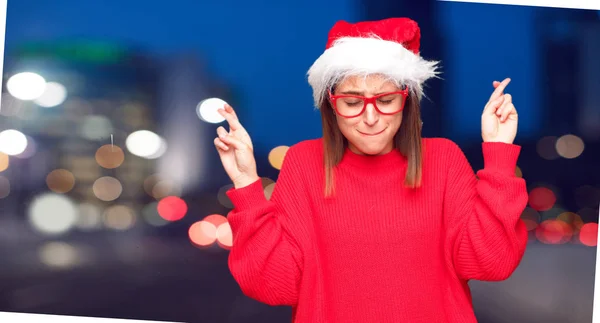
367	83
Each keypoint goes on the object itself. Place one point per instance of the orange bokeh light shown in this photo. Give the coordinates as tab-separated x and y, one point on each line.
202	233
224	236
554	232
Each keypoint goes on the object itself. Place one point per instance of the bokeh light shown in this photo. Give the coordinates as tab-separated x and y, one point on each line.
588	235
164	188
572	219
172	208
89	217
58	255
12	142
224	236
207	110
96	128
145	144
52	214
531	218
569	146
4	162
277	155
541	198
107	188
202	233
26	85
119	217
554	232
110	156
223	198
151	216
518	172
54	94
546	148
60	181
269	190
30	150
215	219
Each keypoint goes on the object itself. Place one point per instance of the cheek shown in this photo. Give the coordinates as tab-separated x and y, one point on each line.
346	125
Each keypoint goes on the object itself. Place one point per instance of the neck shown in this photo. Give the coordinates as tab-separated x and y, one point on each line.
388	148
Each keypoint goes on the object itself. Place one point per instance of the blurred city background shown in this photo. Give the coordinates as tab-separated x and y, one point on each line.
112	196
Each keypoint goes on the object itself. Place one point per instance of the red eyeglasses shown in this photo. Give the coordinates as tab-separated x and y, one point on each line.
350	106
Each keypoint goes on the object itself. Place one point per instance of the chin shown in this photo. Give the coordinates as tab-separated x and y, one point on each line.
372	149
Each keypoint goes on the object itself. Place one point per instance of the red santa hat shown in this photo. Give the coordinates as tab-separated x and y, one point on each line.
389	47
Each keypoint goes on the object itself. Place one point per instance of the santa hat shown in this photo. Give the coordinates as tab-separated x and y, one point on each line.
389	47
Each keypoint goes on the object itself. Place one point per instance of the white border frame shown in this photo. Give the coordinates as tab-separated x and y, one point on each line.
569	4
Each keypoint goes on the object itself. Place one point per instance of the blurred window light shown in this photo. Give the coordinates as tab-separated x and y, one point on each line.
96	127
26	86
52	214
58	255
145	144
54	94
12	142
207	110
107	188
546	148
569	146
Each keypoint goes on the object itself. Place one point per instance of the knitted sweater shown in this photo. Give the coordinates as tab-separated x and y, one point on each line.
377	251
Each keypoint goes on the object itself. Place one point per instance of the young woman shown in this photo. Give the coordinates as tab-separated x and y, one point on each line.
371	222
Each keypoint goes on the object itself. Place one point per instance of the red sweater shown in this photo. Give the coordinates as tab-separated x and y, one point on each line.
379	252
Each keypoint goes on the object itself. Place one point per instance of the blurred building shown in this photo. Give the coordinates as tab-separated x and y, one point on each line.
96	95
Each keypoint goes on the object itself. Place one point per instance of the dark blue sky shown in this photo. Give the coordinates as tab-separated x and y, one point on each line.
264	48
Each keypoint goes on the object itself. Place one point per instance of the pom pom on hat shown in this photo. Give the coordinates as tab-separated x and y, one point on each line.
389	47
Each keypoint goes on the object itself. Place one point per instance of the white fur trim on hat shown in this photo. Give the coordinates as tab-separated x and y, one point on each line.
351	56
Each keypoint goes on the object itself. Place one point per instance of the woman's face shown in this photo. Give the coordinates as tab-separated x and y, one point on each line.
370	133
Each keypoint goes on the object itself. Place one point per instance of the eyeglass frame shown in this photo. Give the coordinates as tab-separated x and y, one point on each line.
372	100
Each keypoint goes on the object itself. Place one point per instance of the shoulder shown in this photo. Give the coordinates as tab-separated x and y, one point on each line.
443	146
307	149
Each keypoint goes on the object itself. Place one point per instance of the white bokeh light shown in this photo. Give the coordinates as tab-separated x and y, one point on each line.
12	142
207	110
52	214
26	86
145	144
54	94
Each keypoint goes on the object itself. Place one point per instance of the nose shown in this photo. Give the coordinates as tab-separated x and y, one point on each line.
371	115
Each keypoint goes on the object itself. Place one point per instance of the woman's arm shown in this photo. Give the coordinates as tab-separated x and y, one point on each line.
266	258
485	237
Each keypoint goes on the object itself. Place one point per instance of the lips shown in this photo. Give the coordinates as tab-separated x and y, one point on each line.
372	134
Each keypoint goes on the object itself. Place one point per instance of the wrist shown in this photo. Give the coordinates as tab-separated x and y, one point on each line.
244	180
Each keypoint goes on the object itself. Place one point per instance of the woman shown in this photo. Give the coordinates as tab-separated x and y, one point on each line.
373	223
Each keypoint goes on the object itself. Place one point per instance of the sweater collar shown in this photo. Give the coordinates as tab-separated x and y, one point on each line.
393	159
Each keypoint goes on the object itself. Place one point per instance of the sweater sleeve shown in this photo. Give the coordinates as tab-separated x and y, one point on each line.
486	236
266	258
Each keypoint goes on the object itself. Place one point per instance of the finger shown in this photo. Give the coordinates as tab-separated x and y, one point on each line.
221	132
232	120
229	109
492	106
231	140
504	110
510	111
499	89
495	84
221	146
